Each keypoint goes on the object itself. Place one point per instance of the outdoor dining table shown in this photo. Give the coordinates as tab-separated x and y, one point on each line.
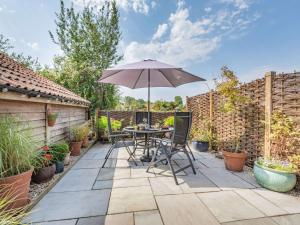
147	132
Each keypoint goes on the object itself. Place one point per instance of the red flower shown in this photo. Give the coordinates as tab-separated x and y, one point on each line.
45	148
48	156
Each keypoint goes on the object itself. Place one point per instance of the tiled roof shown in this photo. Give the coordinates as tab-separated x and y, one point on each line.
16	77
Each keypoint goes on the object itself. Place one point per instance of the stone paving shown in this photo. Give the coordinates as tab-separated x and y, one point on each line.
124	194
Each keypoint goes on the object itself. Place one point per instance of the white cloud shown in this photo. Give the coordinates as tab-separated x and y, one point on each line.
207	9
188	41
138	6
241	4
161	30
153	4
1	8
33	45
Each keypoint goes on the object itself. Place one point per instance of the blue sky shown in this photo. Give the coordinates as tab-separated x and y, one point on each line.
249	36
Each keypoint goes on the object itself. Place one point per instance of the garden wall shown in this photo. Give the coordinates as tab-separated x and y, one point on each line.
34	114
273	92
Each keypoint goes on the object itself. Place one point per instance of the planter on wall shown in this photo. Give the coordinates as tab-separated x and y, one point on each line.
234	161
274	180
75	148
18	185
201	146
44	174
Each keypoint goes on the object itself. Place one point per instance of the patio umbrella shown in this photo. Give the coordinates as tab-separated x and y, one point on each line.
148	73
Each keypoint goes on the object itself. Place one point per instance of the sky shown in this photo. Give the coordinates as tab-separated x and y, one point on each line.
251	37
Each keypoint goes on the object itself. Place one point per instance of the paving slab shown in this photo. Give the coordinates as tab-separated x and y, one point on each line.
103	184
113	173
118	219
76	180
259	221
247	176
224	179
69	205
58	222
97	220
267	207
184	209
88	164
286	202
133	182
122	163
287	220
140	171
131	199
164	186
229	206
148	218
212	162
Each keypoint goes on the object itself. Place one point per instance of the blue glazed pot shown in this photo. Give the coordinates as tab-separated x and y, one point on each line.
274	180
59	166
201	146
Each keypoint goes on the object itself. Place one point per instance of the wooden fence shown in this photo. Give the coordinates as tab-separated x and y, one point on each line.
273	92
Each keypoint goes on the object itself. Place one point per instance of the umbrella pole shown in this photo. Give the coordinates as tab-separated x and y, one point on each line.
149	97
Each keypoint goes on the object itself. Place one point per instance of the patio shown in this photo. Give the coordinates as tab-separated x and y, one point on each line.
124	194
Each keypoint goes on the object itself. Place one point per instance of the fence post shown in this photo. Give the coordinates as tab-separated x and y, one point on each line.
268	111
211	115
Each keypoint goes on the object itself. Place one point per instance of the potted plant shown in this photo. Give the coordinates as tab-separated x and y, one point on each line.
200	140
278	172
77	135
59	153
44	168
51	118
17	153
85	130
230	90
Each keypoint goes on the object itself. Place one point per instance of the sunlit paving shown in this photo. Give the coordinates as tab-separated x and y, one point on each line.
148	112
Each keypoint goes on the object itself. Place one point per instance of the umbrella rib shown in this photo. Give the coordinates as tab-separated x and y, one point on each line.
202	79
117	71
137	80
166	78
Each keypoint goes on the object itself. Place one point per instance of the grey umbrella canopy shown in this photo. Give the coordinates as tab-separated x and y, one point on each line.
148	73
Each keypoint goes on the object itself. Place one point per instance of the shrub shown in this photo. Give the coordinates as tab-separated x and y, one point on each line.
17	149
52	116
59	151
279	165
169	121
77	133
85	129
103	124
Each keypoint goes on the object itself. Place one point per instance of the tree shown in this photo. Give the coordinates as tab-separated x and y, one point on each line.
178	102
89	40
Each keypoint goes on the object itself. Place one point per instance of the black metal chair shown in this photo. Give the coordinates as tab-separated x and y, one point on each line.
140	117
169	147
117	140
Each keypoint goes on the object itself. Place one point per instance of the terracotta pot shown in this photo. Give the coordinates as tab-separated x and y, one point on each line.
85	142
75	148
234	161
44	174
51	122
18	187
67	159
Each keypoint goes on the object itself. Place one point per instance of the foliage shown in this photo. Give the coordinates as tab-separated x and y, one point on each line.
89	40
10	216
17	149
52	116
230	90
169	121
285	137
44	158
295	160
132	104
103	124
77	133
85	129
200	135
59	151
279	165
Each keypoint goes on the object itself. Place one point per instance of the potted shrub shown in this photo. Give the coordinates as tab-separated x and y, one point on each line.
200	140
85	130
51	118
77	135
17	153
278	172
59	153
44	168
230	90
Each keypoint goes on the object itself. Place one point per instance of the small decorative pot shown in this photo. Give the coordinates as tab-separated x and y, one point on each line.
85	142
75	148
274	180
201	146
51	122
67	159
234	161
59	166
44	174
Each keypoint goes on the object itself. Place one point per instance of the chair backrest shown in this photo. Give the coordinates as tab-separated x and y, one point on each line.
108	123
182	126
140	116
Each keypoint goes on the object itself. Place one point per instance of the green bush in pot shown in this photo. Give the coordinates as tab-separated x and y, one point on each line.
17	155
77	136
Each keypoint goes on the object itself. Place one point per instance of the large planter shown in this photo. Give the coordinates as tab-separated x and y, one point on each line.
234	161
274	180
85	142
67	159
201	146
75	148
18	186
44	174
59	166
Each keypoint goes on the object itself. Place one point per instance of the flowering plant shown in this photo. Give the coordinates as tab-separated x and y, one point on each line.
279	165
44	158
